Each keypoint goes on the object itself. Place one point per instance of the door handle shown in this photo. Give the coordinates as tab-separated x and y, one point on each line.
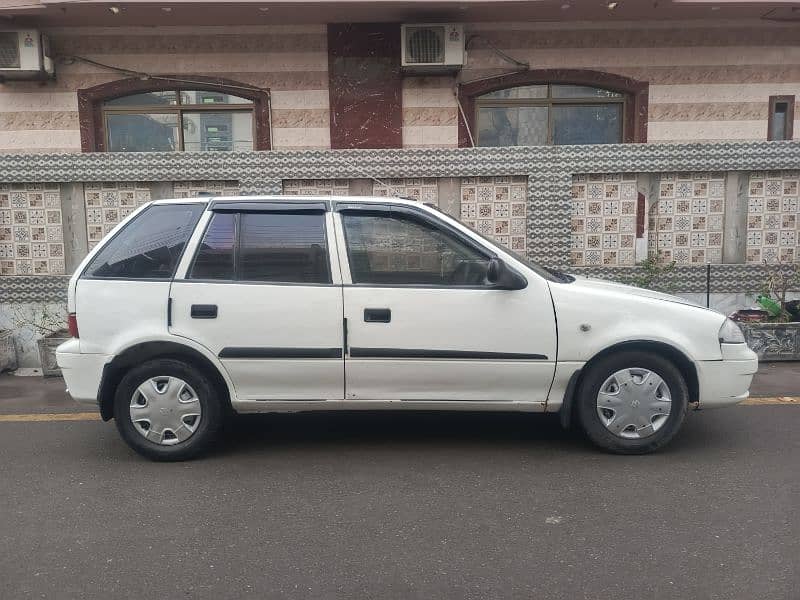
377	315
204	311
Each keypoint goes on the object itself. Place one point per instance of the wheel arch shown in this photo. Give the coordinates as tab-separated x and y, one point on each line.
678	357
115	370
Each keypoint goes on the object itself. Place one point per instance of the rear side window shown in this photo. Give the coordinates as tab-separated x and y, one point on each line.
264	247
150	246
283	248
215	256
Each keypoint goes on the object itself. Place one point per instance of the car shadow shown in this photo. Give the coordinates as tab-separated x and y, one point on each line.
351	429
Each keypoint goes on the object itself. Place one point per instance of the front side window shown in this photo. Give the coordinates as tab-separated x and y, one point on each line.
150	246
535	115
264	247
172	120
400	250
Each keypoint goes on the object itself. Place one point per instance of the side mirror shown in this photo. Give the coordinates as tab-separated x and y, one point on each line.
501	277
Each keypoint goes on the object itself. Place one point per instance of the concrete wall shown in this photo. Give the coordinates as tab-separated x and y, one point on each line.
707	82
292	61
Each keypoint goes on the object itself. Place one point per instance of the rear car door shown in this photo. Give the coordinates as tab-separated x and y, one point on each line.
262	294
423	324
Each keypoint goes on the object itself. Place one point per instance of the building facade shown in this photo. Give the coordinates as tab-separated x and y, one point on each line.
587	135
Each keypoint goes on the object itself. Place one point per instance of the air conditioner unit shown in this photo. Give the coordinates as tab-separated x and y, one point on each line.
24	54
432	47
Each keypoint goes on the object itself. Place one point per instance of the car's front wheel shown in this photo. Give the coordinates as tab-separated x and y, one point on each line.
166	409
632	402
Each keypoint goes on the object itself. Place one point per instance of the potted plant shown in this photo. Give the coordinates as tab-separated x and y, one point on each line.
47	324
776	335
8	351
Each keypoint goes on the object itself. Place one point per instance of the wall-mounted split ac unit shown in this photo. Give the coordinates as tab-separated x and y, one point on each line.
24	54
432	47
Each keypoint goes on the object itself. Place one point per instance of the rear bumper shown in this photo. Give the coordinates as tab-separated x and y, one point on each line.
82	372
727	382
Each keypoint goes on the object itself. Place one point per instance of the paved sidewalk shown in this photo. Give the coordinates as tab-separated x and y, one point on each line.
37	394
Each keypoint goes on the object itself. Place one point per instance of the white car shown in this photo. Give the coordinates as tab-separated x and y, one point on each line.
191	308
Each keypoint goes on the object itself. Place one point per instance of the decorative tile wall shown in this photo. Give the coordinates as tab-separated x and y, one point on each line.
773	217
604	220
192	189
497	207
420	189
108	203
31	229
685	224
316	187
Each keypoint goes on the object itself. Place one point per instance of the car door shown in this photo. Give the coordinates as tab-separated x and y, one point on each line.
262	294
422	322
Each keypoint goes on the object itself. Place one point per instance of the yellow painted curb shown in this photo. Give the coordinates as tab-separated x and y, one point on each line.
776	400
84	416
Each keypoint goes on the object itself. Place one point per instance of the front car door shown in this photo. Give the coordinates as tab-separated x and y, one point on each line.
422	322
262	294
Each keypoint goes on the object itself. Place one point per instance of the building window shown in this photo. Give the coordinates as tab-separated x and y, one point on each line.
781	118
536	115
208	115
552	106
191	120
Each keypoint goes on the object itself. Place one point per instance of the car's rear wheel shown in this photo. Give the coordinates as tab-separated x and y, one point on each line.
632	402
166	409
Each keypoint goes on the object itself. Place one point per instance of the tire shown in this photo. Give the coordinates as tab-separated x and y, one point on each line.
620	373
181	403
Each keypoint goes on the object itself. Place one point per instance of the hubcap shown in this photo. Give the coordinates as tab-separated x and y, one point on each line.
634	403
165	410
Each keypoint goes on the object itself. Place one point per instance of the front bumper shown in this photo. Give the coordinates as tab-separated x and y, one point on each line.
727	382
82	372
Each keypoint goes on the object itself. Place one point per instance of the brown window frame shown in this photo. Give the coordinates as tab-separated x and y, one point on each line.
789	129
549	101
92	112
635	94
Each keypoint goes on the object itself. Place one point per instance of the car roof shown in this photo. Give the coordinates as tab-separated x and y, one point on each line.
292	198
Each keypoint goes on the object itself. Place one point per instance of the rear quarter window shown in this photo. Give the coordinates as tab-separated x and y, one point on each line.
150	246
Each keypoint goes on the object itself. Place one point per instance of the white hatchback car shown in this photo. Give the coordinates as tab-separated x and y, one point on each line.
192	308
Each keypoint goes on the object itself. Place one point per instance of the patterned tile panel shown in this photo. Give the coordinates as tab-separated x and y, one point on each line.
192	189
773	217
31	229
316	187
415	188
686	222
604	220
497	207
108	203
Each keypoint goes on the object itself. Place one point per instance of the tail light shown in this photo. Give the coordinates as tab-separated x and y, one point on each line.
72	325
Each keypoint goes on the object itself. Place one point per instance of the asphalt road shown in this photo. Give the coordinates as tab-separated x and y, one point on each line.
405	506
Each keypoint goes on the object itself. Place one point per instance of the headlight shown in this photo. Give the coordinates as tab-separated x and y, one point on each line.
730	333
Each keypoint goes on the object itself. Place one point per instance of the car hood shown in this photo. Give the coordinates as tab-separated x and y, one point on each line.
589	284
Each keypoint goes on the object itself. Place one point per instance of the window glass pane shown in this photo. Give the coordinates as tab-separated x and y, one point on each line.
512	126
149	246
148	99
581	91
217	131
524	91
142	132
588	124
283	248
214	258
397	250
778	131
205	97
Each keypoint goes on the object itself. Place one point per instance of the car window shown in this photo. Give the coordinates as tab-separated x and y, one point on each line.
148	247
400	250
214	259
288	248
